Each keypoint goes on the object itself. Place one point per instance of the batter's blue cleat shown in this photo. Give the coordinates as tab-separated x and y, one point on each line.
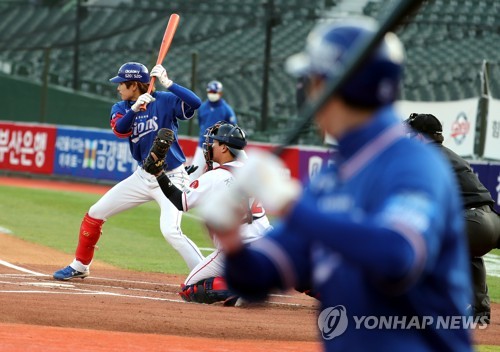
69	273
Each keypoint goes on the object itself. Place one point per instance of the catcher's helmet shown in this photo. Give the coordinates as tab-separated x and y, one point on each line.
132	71
230	135
328	49
214	87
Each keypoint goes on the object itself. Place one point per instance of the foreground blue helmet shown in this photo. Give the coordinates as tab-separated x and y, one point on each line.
378	80
132	71
214	87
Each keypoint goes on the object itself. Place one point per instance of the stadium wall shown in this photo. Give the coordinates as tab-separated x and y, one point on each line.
61	106
96	154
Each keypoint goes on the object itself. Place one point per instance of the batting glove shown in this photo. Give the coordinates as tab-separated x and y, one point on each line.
263	176
145	98
160	72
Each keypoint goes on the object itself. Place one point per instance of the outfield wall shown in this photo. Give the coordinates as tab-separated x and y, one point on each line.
97	154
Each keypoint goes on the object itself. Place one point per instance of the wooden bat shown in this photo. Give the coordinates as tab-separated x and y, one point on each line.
173	22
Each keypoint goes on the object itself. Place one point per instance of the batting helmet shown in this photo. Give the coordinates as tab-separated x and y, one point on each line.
230	135
214	87
328	49
132	71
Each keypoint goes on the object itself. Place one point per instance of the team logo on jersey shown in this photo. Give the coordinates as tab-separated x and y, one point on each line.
194	184
332	322
143	126
460	128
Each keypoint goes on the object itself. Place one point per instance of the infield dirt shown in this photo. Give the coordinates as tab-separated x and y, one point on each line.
120	310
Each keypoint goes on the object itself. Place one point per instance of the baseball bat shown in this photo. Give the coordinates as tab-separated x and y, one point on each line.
168	36
403	10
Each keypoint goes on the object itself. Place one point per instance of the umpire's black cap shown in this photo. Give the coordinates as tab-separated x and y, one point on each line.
425	123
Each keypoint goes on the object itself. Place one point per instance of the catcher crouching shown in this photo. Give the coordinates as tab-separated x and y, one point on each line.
224	144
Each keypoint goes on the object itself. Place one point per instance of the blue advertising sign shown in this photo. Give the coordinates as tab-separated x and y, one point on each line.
489	175
94	154
493	183
311	161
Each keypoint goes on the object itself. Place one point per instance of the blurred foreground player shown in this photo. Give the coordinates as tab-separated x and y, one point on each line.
380	234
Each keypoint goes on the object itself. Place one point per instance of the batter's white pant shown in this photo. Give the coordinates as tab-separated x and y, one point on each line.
211	266
140	188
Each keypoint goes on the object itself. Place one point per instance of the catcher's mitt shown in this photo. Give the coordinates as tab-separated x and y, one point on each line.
155	162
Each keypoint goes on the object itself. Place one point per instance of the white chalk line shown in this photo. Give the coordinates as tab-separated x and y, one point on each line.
15	267
5	230
94	293
492	263
71	290
67	288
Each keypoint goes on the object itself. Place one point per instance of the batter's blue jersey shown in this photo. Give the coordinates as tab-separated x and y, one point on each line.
162	113
209	113
380	236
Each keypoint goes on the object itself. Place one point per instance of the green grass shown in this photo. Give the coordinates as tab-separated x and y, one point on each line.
488	348
130	240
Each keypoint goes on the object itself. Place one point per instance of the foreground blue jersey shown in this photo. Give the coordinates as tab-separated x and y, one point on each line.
209	113
381	238
141	127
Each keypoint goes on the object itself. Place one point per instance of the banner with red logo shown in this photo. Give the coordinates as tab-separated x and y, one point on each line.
27	148
492	141
457	117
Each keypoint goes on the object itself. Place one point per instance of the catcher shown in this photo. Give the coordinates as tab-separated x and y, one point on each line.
224	144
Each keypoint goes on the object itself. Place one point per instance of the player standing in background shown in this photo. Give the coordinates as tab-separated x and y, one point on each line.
224	144
380	234
212	110
164	109
483	223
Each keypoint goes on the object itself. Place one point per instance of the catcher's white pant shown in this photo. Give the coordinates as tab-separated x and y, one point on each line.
211	266
142	187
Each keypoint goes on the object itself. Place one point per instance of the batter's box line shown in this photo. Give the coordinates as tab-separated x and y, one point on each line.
18	268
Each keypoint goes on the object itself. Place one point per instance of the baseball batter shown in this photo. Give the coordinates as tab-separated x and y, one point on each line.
224	143
164	109
213	110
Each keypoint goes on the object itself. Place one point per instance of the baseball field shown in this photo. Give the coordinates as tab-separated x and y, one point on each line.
130	301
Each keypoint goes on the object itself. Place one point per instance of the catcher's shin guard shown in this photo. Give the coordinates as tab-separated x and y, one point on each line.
90	231
207	291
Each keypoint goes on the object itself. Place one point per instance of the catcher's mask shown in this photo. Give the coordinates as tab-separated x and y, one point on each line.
230	135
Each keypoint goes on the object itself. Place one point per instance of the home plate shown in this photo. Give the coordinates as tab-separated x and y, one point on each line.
49	284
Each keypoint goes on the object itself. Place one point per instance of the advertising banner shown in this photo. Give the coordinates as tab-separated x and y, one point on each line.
312	160
92	153
492	141
27	148
493	183
489	175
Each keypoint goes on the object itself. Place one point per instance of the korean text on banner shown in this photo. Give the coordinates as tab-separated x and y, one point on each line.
27	148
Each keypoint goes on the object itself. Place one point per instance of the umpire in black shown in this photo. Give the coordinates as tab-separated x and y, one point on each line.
483	223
